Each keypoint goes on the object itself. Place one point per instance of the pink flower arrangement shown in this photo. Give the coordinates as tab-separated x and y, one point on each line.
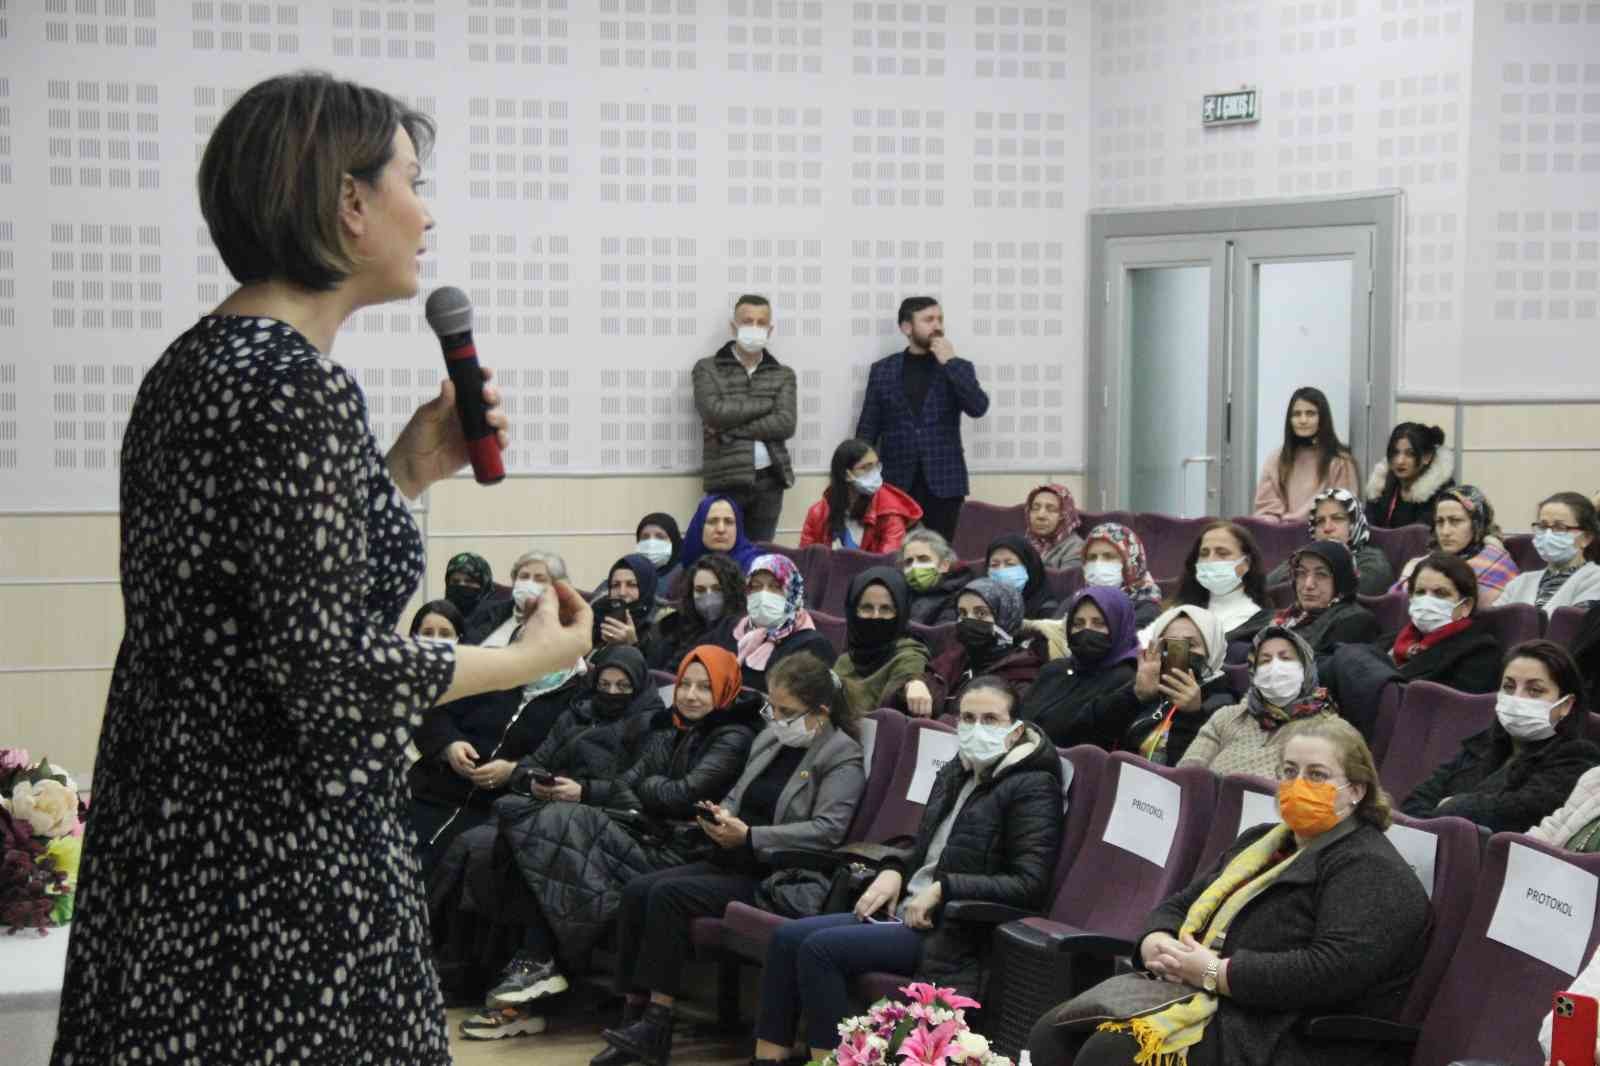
928	1029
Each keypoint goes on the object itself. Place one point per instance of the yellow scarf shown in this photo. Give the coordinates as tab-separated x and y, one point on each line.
1166	1036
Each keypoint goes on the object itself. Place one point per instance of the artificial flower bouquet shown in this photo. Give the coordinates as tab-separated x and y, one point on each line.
41	839
929	1030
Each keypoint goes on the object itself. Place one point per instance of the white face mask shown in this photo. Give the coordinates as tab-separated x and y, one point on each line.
983	745
870	484
1429	613
1279	681
1555	548
438	642
1218	578
752	338
766	609
1103	574
793	733
1524	718
526	593
657	551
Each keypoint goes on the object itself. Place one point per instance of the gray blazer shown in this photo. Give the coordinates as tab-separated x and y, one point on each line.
815	807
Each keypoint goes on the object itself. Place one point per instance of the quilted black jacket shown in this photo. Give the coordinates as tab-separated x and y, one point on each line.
679	768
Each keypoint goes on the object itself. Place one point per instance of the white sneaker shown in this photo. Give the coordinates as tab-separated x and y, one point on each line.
498	1023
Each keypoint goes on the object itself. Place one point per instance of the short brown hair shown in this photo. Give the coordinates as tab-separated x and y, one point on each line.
271	173
1355	759
1453	569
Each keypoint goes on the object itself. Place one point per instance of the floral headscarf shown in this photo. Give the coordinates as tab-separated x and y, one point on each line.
474	566
1069	519
1136	580
756	644
1476	504
1359	532
1313	698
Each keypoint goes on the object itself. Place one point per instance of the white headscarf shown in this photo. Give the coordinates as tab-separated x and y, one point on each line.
1210	631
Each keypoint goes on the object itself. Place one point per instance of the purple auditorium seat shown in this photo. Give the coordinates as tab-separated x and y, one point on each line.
1391	699
813	562
1278	540
1402	544
937	638
1391	610
1243	800
981	522
832	627
1238	677
1493	994
1512	623
1167	540
846	563
1064	584
1429	727
1564	625
1090	519
1520	545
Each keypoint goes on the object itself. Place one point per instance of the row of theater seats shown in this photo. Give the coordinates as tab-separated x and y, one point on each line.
1491	898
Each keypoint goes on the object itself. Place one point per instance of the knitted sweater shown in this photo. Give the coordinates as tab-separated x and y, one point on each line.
1232	743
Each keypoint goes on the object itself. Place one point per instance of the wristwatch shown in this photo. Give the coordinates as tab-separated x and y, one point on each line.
1209	981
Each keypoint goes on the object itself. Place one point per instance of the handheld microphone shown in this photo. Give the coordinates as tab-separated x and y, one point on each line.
449	314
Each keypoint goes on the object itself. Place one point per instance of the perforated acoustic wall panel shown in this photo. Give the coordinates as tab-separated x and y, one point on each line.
609	176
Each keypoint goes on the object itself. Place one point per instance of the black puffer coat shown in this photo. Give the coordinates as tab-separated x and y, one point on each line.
1504	788
937	605
1001	849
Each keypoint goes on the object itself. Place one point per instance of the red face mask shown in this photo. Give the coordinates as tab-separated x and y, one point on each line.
1308	807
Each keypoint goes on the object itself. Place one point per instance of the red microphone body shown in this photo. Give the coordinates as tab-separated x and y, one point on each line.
449	314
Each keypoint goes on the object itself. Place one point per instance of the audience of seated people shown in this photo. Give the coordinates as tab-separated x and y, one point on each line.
718	528
1051	517
1114	557
1325	611
880	655
1314	915
1311	459
989	833
1224	573
776	623
1403	489
1524	766
1012	561
495	619
709	610
1463	524
934	575
989	640
1566	534
1247	737
468	582
1160	714
1070	701
799	790
626	615
858	510
1337	515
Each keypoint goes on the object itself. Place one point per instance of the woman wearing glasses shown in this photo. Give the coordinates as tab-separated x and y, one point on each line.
1317	914
1567	538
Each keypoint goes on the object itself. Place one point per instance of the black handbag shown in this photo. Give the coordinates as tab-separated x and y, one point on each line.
851	878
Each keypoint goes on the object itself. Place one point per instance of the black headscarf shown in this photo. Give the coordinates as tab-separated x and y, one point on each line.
629	660
669	525
641	609
872	640
476	567
1036	589
1311	625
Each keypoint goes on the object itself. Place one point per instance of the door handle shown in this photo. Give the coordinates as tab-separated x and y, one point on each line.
1204	460
1199	459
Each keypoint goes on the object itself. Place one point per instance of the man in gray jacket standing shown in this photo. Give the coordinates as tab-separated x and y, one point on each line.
746	400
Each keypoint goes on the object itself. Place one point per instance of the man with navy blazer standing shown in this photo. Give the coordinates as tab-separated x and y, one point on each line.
912	415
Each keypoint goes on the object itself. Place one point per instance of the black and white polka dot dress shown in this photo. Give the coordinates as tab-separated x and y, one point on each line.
248	891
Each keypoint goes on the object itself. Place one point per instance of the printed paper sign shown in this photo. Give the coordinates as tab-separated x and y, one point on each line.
1546	908
1258	808
1067	770
1418	848
934	749
869	742
1144	818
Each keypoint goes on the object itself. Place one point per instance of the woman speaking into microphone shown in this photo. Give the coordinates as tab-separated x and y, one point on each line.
248	889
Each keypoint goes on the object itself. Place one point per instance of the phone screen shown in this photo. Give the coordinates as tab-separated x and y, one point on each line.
1175	654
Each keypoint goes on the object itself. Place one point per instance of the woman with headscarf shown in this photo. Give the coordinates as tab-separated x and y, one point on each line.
1052	521
776	623
1463	524
1012	561
1114	557
1325	611
880	655
468	582
1246	738
1338	516
717	527
711	606
1070	700
989	640
626	615
1165	707
572	860
658	540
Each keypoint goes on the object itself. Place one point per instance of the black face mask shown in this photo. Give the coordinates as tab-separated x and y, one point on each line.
872	632
975	634
462	597
1089	645
612	703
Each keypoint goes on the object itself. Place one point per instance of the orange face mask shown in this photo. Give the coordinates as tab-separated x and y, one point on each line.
1308	807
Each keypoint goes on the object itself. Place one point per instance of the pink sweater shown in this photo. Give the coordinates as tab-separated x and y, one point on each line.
1292	503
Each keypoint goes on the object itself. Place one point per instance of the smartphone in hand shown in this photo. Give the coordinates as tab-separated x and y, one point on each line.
1175	653
544	777
1573	1024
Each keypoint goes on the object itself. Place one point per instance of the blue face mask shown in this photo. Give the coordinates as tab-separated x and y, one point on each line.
1015	576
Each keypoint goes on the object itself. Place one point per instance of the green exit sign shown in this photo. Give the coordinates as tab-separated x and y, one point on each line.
1231	108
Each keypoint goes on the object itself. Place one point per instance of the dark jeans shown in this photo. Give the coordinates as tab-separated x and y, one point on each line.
658	908
761	505
939	513
813	960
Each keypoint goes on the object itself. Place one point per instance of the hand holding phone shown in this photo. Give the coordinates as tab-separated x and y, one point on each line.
544	777
1175	655
1574	1021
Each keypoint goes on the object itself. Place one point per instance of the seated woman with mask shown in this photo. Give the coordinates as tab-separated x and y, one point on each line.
1247	738
1161	713
880	656
1325	611
776	623
717	528
989	640
1567	537
799	790
1012	561
1337	516
626	615
659	541
468	583
857	509
533	572
1526	763
1071	698
712	607
934	575
1052	521
1114	557
1316	915
1224	573
1463	524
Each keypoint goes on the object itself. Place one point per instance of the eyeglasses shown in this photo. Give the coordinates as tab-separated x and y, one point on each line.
1554	527
1315	774
771	713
